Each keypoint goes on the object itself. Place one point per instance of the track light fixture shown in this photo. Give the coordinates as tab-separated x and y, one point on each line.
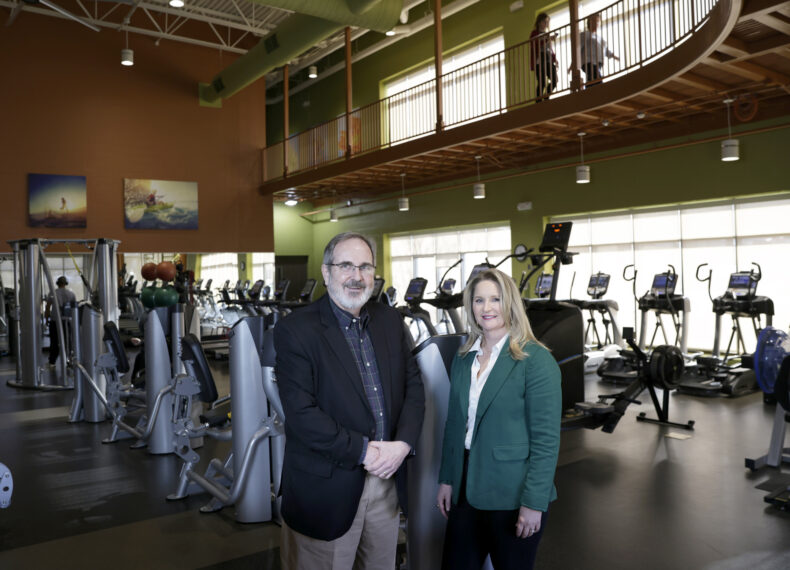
312	72
403	201
730	147
479	189
583	170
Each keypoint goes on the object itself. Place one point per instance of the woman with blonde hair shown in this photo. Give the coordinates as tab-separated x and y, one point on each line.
502	434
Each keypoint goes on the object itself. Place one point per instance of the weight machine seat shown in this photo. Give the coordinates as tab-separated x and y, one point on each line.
191	351
112	336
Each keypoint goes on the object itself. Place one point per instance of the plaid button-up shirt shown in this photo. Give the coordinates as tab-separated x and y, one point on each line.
358	339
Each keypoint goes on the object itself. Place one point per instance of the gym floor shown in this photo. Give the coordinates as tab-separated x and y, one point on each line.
638	496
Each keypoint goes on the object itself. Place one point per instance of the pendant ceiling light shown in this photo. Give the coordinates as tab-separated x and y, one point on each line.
127	55
730	148
479	189
583	170
403	201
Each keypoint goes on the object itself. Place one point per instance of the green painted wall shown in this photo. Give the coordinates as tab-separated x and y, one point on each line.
685	174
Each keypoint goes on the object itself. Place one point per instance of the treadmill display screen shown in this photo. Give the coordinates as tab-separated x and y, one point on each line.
448	285
742	285
308	288
556	236
415	290
739	281
598	285
543	286
664	284
378	285
477	269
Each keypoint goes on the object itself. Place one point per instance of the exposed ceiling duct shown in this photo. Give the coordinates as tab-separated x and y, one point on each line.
314	21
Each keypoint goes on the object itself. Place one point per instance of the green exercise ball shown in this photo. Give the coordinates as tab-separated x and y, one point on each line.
166	296
147	297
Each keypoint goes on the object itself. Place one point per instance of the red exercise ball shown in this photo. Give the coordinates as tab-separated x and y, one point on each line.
149	271
166	271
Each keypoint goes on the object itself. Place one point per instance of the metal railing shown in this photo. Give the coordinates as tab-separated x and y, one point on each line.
631	34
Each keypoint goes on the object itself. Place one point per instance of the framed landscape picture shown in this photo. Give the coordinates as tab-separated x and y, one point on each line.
57	201
160	204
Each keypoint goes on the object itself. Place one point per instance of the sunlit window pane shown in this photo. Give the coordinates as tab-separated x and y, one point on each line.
762	218
656	226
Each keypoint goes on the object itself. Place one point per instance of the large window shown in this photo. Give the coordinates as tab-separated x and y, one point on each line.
263	268
429	255
219	267
467	94
728	236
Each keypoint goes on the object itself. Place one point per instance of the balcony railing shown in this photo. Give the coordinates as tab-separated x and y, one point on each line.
635	31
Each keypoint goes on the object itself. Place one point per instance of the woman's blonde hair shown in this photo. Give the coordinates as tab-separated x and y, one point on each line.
513	313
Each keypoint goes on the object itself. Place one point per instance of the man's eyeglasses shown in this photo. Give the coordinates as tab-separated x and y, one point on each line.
347	267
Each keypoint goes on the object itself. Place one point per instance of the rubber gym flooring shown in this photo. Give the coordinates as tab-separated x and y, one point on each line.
636	498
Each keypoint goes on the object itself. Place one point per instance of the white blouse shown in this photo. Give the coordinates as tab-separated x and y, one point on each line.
477	383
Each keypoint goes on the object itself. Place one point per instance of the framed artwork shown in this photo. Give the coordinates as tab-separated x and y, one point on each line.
57	201
160	204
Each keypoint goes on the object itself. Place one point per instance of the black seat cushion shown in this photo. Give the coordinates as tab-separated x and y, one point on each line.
112	336
191	351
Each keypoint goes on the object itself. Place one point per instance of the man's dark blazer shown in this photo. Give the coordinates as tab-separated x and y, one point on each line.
327	413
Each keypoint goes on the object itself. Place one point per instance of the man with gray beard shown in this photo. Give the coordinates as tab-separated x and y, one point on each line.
354	405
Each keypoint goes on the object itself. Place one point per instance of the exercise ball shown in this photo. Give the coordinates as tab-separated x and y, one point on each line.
166	297
166	271
148	271
147	297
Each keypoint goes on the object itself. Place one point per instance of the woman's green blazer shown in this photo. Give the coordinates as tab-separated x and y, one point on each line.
516	438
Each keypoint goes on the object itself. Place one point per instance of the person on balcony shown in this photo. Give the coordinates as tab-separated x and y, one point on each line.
593	51
543	60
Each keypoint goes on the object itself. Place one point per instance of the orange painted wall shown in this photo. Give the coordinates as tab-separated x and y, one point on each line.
69	107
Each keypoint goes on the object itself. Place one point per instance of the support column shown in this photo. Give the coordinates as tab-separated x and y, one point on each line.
348	91
437	47
263	145
576	76
285	120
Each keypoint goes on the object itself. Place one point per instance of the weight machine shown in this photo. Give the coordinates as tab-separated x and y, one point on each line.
31	271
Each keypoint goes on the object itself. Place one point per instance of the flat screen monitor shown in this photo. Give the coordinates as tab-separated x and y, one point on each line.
543	286
556	236
664	284
415	290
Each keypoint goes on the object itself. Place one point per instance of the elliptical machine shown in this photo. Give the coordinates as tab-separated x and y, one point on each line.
662	300
714	374
596	348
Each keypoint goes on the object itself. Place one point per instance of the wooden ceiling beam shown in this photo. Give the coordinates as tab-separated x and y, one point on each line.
759	70
775	21
753	8
701	82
